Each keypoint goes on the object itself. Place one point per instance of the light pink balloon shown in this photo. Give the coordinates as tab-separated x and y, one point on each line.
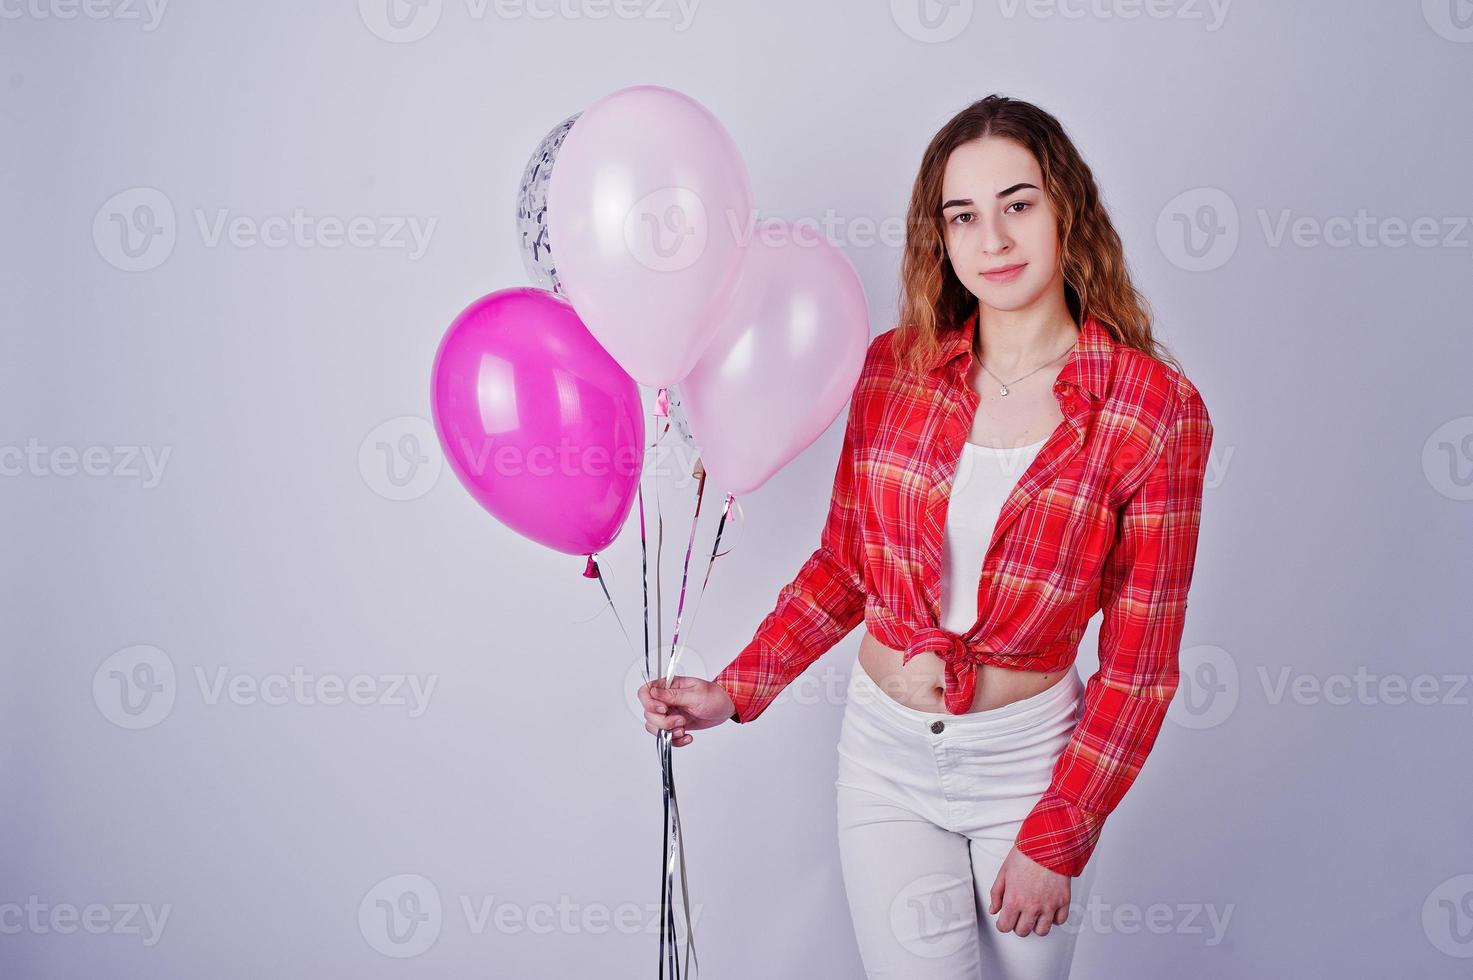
644	212
785	358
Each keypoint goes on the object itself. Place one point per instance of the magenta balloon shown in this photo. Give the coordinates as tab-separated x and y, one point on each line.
539	423
646	210
786	357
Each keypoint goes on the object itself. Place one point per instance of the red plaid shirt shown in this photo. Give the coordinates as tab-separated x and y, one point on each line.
1106	516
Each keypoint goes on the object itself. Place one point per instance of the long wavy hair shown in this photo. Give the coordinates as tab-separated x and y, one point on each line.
1096	281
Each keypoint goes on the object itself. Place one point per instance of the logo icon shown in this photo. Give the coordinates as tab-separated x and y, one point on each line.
401	915
1198	229
135	687
400	21
135	230
1207	692
401	458
932	21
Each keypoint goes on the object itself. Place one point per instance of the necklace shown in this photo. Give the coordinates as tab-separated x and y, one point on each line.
1005	384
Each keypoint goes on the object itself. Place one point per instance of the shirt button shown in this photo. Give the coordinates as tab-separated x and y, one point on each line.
938	727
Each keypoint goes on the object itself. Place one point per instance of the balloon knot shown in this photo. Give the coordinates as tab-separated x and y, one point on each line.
662	402
590	570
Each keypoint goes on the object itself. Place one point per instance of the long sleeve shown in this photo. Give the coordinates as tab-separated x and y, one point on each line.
817	608
1144	596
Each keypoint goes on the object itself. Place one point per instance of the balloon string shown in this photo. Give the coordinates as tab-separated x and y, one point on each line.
672	840
685	577
741	525
659	555
599	574
678	846
644	573
710	562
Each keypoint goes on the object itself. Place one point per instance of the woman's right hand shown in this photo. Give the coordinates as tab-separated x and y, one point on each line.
688	704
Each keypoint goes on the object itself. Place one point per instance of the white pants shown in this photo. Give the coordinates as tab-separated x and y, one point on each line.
929	804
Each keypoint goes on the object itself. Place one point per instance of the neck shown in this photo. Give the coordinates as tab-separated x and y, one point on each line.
1012	340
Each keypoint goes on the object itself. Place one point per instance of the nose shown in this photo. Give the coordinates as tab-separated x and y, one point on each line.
994	240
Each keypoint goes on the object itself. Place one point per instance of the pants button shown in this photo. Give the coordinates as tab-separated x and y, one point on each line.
938	727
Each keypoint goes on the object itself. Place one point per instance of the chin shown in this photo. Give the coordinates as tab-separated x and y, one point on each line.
1014	296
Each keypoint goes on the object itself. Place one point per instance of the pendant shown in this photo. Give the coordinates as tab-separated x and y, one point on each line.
1004	390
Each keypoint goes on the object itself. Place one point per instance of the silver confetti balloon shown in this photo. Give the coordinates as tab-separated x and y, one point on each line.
678	421
532	208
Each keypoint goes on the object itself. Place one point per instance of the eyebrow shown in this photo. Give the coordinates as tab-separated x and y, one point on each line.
962	201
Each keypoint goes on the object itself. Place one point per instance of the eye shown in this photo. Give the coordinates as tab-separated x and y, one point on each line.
1015	204
956	218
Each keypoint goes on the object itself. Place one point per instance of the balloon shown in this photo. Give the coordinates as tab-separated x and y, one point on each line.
679	424
785	358
647	206
539	423
532	208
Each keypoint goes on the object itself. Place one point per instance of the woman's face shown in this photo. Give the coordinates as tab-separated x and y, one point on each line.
998	219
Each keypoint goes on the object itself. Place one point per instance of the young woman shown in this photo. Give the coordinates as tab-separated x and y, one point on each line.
1020	454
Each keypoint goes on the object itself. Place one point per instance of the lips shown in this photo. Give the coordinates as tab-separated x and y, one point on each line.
1005	273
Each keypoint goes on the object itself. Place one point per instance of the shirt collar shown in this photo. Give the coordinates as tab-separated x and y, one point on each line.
1088	365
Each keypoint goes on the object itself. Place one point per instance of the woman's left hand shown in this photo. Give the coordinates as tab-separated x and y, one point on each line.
1027	897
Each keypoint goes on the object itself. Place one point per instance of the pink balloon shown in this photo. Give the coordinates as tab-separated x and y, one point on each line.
644	212
786	357
539	423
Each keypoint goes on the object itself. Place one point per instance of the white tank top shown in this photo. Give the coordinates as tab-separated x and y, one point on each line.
984	479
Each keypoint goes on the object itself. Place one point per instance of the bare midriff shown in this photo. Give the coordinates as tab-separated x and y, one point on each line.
921	684
1030	412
